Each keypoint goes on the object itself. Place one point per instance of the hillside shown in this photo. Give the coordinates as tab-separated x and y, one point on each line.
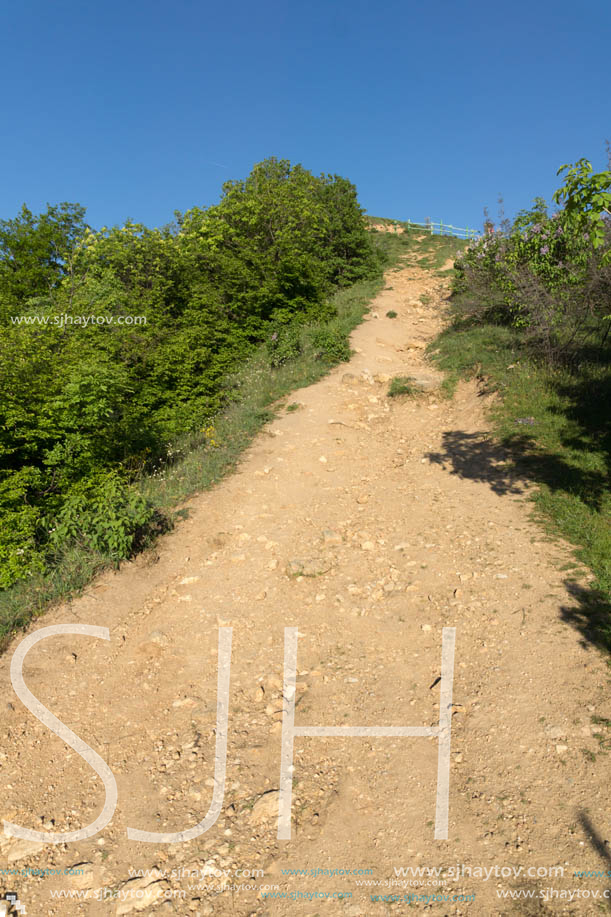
370	513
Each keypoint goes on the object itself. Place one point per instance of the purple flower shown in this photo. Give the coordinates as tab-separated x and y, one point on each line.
537	228
545	250
559	231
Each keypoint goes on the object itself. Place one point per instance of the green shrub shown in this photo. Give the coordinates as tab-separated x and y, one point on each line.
285	345
105	515
332	343
549	276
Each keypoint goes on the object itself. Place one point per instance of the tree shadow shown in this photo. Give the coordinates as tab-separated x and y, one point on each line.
590	614
475	457
600	845
586	397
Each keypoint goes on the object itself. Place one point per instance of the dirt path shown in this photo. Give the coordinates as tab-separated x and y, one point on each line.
370	524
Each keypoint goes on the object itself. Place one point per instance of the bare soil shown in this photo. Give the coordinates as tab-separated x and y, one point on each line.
369	523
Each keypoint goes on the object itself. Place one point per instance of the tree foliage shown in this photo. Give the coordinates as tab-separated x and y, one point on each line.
549	276
115	342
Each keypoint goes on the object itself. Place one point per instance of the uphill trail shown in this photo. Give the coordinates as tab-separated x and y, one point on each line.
369	523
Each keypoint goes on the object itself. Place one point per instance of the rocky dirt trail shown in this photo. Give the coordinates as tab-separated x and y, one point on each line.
370	523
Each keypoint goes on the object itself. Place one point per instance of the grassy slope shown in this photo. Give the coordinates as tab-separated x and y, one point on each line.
201	461
555	424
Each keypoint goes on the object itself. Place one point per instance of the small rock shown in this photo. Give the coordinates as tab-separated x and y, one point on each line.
561	749
82	876
332	538
424	383
426	628
307	567
362	499
266	807
158	637
138	894
367	546
18	848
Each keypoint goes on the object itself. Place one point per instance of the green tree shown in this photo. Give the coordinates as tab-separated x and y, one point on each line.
36	252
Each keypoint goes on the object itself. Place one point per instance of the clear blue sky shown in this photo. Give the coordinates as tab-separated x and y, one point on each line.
140	107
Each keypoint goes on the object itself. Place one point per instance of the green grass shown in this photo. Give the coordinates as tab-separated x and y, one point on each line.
554	422
201	461
391	314
436	250
401	385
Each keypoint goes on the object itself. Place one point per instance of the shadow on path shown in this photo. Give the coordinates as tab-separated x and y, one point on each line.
599	844
476	457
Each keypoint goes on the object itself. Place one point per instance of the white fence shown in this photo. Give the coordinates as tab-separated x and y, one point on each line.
444	229
430	226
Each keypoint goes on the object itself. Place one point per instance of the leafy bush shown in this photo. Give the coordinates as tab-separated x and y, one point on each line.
331	341
550	276
86	407
104	515
285	345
